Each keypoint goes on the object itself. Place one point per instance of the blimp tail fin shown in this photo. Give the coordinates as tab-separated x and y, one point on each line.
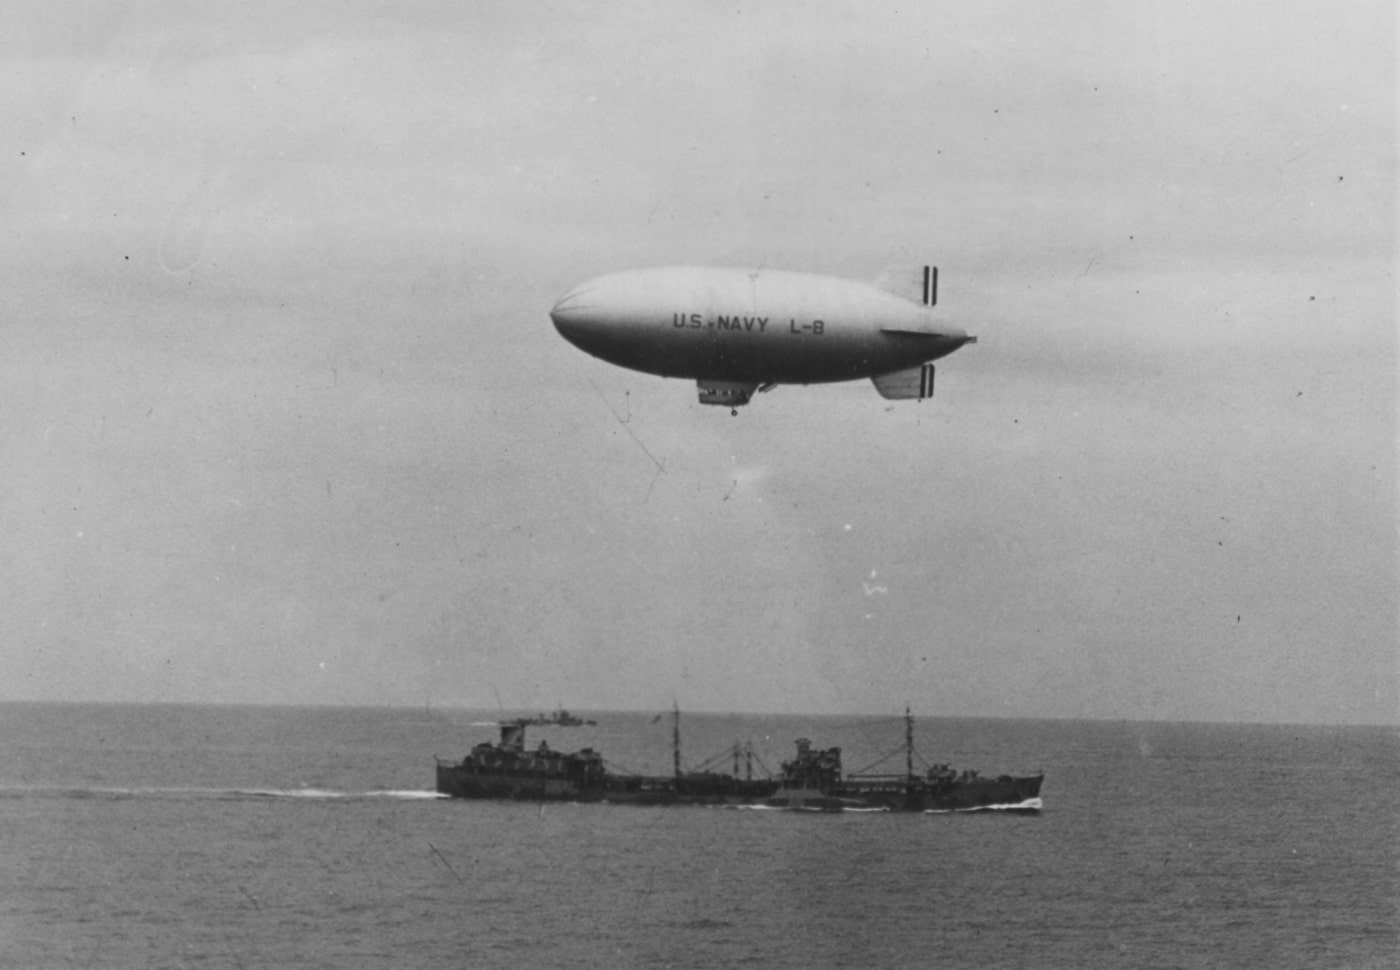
917	284
913	384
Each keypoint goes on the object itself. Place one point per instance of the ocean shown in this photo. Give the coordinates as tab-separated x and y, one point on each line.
185	836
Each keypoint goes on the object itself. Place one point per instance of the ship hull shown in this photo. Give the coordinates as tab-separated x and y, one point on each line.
1004	793
461	781
454	781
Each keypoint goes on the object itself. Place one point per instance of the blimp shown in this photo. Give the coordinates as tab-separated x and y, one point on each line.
736	332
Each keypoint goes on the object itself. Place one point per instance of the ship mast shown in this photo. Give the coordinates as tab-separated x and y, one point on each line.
908	746
676	737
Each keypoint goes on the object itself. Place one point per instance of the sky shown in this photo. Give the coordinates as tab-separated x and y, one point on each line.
284	420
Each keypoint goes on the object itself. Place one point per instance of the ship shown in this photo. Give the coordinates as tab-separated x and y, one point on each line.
813	780
559	717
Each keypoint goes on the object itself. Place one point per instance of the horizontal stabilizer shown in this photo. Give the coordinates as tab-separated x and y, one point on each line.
917	284
729	393
913	384
929	326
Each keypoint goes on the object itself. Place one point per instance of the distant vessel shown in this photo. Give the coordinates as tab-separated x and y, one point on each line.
560	717
812	781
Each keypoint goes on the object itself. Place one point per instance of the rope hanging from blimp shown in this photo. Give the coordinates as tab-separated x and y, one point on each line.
660	467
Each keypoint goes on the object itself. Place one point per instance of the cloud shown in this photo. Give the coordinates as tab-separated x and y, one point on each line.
288	421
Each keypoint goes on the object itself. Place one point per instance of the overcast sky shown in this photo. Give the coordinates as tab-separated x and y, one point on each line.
283	417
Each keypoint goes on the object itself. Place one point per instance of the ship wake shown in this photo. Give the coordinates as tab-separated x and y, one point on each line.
177	793
1027	806
844	809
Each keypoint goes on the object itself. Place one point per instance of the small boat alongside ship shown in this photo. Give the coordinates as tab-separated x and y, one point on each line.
813	781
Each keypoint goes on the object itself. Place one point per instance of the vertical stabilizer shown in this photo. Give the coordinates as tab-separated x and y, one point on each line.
913	384
917	284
